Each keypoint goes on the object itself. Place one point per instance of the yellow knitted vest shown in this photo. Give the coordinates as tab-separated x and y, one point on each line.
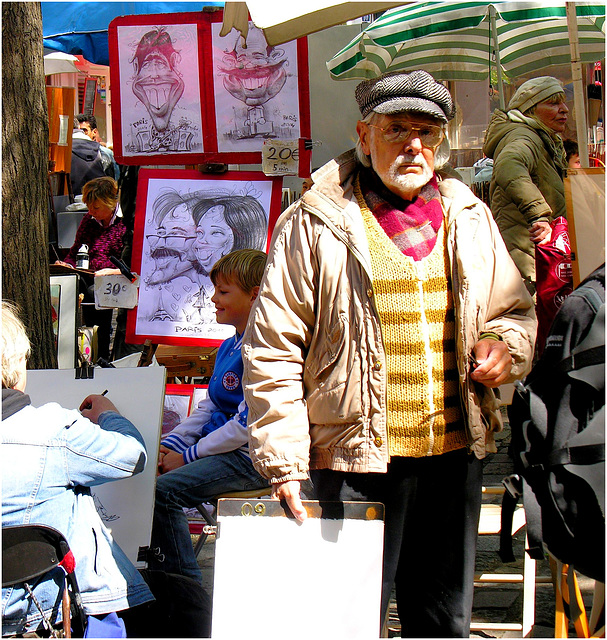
415	306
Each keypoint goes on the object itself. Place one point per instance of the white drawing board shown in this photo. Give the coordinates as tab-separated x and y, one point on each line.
278	578
125	506
585	198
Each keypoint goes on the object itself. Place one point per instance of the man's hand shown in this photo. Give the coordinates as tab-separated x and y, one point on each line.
494	362
169	460
540	232
289	492
93	406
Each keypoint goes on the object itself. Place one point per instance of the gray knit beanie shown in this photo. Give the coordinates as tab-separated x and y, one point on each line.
534	91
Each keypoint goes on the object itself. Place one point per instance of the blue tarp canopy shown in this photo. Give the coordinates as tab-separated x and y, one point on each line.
81	28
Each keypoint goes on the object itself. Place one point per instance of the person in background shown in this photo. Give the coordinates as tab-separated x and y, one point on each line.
102	231
388	312
88	160
527	191
88	124
51	459
207	454
572	154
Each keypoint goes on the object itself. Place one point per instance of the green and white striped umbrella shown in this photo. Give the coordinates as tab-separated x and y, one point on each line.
452	40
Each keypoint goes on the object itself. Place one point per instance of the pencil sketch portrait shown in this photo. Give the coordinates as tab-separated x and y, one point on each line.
189	225
256	90
159	89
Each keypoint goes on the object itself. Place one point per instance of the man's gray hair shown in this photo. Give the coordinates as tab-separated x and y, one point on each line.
441	153
15	346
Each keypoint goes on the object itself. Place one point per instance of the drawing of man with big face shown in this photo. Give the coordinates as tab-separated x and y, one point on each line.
172	243
254	74
157	83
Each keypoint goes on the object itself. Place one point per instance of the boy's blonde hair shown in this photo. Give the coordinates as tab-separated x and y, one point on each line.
15	346
243	267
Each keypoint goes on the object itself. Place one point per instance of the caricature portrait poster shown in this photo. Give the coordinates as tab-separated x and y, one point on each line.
256	90
184	224
183	94
159	92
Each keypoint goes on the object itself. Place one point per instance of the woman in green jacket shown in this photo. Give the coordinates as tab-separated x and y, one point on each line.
527	190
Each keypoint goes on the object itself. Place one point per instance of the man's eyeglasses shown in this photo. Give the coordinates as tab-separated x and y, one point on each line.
397	132
173	242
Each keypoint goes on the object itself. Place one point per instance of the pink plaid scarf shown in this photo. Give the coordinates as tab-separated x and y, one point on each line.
412	226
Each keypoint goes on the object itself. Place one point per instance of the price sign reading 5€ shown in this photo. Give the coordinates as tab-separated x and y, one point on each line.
115	292
280	157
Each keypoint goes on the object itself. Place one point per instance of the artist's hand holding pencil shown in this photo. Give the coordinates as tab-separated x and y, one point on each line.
94	405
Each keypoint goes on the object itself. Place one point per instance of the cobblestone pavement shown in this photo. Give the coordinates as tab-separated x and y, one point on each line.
501	603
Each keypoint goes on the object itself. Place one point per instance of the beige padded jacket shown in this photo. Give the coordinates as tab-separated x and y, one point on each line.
315	367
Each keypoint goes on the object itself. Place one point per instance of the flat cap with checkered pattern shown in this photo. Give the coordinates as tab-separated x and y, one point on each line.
395	92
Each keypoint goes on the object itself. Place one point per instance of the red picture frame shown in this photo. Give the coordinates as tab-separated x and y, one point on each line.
192	127
170	253
177	405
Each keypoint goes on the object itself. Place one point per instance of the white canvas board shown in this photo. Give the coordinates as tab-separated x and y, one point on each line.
125	506
278	578
64	291
585	195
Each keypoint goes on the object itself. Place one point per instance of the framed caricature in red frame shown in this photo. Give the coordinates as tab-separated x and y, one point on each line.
185	221
177	405
255	92
157	88
182	94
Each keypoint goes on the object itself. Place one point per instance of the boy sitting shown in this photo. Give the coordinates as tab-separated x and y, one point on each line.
207	454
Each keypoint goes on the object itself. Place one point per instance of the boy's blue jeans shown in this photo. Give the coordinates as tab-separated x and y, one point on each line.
189	486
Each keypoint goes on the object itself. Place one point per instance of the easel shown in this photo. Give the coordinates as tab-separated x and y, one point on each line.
570	605
182	363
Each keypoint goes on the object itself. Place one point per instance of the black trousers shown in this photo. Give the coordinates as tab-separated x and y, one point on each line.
431	527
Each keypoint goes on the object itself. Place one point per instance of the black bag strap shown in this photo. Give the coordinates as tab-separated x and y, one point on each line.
505	551
587	358
533	518
584	454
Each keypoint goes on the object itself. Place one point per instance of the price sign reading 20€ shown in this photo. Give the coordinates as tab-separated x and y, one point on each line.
115	292
280	157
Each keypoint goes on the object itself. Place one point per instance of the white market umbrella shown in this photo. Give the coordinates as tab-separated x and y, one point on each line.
59	62
465	40
455	40
291	19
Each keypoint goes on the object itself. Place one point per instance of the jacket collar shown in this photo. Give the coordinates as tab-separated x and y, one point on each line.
13	401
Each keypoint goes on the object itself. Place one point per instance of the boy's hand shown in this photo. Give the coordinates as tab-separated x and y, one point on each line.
169	460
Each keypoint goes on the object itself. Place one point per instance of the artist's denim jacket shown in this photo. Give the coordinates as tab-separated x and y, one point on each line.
50	458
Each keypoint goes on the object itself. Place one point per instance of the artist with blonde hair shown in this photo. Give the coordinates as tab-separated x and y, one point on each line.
51	458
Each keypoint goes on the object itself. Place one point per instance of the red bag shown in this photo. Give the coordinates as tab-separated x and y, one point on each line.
553	278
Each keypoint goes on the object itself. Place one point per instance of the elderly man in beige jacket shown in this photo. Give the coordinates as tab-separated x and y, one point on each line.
389	312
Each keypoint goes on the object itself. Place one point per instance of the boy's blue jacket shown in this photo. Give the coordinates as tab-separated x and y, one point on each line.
219	423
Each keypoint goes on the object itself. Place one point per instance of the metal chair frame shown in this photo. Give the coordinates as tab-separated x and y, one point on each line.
29	552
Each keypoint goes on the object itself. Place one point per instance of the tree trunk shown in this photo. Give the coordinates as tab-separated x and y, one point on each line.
25	190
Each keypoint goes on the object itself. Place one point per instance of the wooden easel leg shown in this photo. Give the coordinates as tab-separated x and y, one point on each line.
597	615
561	622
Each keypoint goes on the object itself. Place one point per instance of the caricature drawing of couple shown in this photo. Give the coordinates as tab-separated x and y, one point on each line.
186	232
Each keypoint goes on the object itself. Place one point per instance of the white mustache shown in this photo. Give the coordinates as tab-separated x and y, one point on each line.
407	158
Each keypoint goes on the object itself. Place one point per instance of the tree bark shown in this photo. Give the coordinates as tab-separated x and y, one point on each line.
25	188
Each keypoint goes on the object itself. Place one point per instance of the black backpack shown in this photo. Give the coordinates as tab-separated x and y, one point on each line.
557	421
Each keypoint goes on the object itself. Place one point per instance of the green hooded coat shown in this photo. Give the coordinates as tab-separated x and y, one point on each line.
526	184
